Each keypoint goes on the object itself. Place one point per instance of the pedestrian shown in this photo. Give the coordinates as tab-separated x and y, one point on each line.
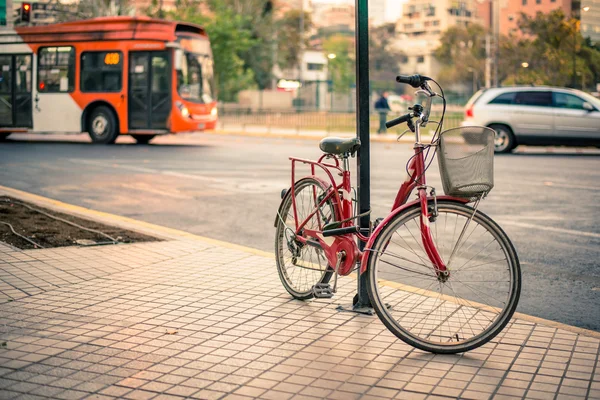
382	107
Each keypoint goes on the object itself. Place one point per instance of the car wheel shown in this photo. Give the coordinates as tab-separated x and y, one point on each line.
143	139
102	126
504	141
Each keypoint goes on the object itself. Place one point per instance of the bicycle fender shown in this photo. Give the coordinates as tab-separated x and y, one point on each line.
289	194
383	224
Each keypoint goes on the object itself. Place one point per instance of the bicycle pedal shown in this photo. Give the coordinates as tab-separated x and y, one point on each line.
322	291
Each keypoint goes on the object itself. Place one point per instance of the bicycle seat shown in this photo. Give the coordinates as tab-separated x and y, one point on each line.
334	145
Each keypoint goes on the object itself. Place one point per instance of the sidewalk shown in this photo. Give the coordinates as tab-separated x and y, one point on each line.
191	317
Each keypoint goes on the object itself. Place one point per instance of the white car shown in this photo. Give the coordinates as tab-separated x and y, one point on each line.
543	116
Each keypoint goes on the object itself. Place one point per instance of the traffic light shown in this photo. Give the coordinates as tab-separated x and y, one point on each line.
25	12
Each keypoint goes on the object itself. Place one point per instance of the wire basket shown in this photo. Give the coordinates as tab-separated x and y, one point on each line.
466	161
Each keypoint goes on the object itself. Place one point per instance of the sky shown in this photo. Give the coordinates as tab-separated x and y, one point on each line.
393	7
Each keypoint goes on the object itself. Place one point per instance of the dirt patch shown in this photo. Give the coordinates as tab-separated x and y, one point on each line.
43	231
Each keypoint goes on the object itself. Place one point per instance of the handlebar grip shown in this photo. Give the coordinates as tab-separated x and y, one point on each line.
399	120
412	80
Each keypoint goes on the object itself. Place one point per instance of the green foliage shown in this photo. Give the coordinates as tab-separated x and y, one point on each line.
342	67
230	40
290	37
246	37
384	59
462	54
551	44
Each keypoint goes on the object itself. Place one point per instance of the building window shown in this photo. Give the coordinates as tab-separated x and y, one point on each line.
101	71
420	59
403	60
56	69
315	66
436	22
408	26
524	2
538	1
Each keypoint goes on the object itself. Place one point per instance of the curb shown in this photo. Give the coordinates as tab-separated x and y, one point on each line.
170	233
123	222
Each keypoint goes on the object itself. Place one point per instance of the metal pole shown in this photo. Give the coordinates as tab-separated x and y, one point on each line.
496	30
574	73
363	162
488	62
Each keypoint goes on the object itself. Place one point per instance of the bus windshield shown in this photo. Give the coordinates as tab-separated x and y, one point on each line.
195	79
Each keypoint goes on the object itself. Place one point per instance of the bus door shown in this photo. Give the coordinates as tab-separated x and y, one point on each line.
149	90
15	91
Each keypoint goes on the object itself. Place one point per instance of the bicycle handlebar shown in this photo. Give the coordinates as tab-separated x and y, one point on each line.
412	80
399	120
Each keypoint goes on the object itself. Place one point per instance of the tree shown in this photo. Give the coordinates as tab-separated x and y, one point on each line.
229	38
384	59
290	39
547	51
558	49
103	8
461	54
342	67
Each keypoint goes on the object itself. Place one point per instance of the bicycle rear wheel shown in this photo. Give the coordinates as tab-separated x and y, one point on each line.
301	267
444	316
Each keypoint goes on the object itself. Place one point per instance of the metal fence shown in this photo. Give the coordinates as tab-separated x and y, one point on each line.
298	120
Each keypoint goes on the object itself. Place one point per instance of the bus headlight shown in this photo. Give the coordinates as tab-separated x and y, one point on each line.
214	112
183	109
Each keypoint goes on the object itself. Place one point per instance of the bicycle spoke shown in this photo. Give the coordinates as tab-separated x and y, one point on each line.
463	309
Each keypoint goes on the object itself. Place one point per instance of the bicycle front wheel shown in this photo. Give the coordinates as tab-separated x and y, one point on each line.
441	315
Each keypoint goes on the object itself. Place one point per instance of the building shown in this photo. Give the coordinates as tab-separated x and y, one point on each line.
590	20
421	27
334	17
510	11
377	14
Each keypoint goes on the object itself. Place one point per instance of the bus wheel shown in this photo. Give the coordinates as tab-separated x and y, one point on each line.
143	139
3	136
102	125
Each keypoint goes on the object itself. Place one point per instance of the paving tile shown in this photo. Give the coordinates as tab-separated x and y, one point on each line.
100	328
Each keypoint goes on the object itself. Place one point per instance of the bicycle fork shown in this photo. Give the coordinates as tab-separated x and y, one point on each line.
428	243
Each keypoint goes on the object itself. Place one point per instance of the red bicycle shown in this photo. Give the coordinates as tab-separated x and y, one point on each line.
442	276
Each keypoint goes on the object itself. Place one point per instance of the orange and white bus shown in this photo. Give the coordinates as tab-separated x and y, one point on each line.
107	76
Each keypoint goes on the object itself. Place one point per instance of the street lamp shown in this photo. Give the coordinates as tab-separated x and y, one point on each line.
525	64
331	56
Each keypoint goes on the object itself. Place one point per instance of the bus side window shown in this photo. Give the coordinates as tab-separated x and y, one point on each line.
101	71
56	69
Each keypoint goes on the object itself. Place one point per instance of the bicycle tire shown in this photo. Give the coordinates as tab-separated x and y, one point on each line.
434	299
321	274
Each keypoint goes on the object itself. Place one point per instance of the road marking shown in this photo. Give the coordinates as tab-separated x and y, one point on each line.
145	188
551	229
240	185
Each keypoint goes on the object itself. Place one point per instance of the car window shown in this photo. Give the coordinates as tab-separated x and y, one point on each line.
539	99
504	98
565	100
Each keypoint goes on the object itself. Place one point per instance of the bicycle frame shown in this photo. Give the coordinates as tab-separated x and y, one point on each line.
339	195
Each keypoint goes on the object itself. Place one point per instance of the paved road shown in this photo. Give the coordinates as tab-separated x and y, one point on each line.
227	187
